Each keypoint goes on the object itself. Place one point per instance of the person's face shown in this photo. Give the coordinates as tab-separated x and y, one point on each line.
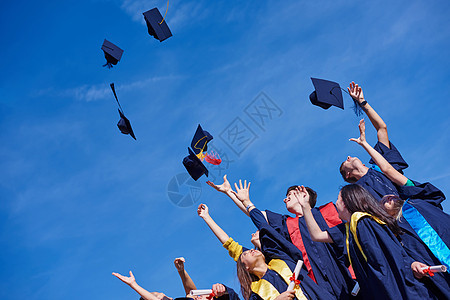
292	204
351	164
250	258
343	212
389	207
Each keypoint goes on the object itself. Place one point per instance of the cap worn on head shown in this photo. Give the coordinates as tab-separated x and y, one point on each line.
200	141
153	19
112	53
326	94
194	166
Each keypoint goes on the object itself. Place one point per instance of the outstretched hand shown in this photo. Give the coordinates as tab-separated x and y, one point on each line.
356	92
242	192
225	187
203	211
128	280
179	263
362	133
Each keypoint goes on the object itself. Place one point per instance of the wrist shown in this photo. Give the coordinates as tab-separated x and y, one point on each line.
134	285
249	206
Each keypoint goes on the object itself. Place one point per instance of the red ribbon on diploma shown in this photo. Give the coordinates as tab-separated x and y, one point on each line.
210	296
292	278
428	272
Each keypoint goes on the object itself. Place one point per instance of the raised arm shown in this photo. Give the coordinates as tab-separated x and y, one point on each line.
356	93
225	188
388	170
317	235
146	295
203	212
188	283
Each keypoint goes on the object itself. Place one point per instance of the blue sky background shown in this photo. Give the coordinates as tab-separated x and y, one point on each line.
79	200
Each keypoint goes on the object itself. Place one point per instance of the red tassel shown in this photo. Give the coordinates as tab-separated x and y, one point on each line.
213	158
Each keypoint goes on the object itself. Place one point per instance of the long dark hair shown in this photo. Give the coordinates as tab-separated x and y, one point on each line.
245	278
356	198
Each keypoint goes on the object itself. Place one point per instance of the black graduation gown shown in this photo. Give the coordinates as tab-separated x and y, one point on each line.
387	272
375	182
275	246
327	260
426	199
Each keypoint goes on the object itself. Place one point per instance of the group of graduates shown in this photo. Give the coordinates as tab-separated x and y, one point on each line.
384	238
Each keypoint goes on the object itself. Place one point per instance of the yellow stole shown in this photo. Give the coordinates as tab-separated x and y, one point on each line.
352	227
267	291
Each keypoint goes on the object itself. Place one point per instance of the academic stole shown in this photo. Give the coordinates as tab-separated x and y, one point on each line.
267	291
352	227
426	233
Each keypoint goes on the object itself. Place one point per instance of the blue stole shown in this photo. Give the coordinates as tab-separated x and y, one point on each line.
427	234
376	168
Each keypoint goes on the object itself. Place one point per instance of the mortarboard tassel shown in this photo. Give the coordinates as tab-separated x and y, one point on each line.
213	158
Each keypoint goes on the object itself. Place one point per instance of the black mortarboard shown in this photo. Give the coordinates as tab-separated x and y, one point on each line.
112	53
326	94
194	166
158	30
200	140
123	124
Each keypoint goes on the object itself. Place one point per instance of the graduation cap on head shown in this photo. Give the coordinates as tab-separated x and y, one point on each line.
326	94
112	53
157	26
194	166
200	141
123	124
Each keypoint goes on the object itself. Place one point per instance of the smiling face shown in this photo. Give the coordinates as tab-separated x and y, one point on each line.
252	258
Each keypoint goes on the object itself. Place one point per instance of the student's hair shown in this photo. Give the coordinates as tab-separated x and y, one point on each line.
349	179
398	204
356	198
245	278
311	192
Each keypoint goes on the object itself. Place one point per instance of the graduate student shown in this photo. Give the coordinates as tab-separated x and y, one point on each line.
325	265
354	171
265	274
219	290
383	268
425	226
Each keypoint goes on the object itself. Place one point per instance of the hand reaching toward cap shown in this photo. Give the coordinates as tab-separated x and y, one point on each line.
225	187
356	92
179	263
242	192
362	133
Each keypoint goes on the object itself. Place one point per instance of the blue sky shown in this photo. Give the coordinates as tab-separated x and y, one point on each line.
80	200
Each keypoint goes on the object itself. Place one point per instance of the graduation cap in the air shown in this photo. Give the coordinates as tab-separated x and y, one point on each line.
326	94
329	93
194	166
112	53
200	140
157	26
123	124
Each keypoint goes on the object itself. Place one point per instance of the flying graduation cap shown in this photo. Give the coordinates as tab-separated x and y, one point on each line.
200	140
157	26
194	166
112	53
123	124
329	93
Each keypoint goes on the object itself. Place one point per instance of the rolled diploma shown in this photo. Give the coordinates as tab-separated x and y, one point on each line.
355	289
436	269
296	272
200	292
